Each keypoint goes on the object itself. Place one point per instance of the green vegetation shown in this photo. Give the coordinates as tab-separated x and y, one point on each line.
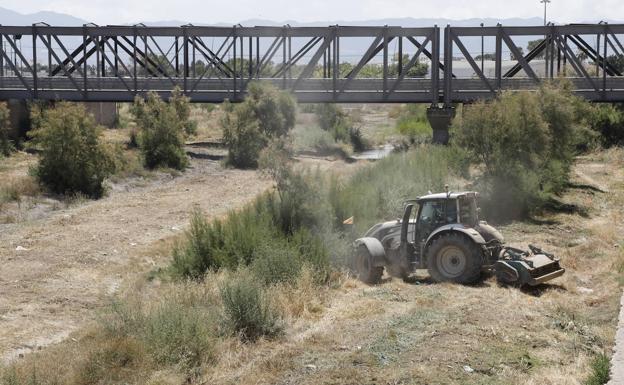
526	144
412	122
599	371
372	71
162	127
248	127
6	145
178	329
247	310
608	122
340	125
377	193
182	106
73	160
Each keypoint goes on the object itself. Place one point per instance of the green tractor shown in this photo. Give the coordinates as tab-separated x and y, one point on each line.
443	234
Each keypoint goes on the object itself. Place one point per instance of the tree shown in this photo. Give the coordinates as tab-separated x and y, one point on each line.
617	61
533	44
6	145
72	160
161	130
526	143
487	56
418	70
266	113
513	57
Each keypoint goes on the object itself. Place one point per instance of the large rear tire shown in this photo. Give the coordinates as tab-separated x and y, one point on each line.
455	258
364	268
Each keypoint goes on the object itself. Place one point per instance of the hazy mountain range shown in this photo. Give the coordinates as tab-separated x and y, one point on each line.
9	17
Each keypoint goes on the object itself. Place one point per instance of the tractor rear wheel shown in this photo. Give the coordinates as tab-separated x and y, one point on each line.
454	257
364	268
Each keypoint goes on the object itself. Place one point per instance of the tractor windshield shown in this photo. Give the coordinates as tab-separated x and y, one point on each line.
468	210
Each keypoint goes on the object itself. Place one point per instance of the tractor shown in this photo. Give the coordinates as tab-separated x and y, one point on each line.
443	234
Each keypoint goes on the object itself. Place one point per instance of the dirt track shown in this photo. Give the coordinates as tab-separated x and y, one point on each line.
74	258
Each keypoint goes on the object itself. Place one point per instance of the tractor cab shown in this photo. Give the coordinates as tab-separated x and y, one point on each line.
430	214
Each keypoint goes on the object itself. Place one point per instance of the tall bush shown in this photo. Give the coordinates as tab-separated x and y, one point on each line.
6	145
412	123
73	160
526	144
608	121
182	106
248	127
161	131
334	120
248	311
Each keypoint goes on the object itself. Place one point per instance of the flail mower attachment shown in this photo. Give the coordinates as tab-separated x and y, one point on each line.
517	267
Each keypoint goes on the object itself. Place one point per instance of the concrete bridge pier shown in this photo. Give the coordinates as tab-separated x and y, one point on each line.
19	117
440	119
105	113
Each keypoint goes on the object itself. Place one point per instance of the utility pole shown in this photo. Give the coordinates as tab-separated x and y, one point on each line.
482	53
545	2
545	41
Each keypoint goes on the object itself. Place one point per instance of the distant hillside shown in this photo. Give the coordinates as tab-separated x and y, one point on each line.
350	50
8	17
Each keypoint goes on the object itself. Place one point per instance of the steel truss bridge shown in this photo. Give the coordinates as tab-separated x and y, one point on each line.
212	64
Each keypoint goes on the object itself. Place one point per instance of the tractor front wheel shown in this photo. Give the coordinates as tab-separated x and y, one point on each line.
454	257
364	268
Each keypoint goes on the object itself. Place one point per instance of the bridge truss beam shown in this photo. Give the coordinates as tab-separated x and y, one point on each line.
318	64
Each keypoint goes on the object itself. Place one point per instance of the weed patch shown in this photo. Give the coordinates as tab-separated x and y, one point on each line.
248	311
600	367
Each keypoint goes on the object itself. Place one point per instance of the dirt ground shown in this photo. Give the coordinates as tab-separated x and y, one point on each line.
418	332
58	268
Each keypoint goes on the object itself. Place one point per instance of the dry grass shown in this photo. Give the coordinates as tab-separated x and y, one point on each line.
208	122
411	333
13	189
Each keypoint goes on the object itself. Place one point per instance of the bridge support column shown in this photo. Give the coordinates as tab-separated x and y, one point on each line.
19	116
105	113
440	119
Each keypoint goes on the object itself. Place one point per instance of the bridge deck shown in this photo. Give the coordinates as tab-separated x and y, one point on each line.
210	64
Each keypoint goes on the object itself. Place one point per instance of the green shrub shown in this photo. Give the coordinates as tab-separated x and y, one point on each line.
161	135
248	312
314	138
6	144
182	106
608	121
526	143
248	127
377	193
223	243
242	136
196	256
72	158
178	330
177	334
600	367
299	203
412	123
276	262
109	362
334	120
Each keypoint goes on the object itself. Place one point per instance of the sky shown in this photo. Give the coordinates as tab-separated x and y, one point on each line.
212	11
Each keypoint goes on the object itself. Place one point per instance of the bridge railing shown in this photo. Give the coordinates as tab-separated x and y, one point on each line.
86	63
318	64
561	52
